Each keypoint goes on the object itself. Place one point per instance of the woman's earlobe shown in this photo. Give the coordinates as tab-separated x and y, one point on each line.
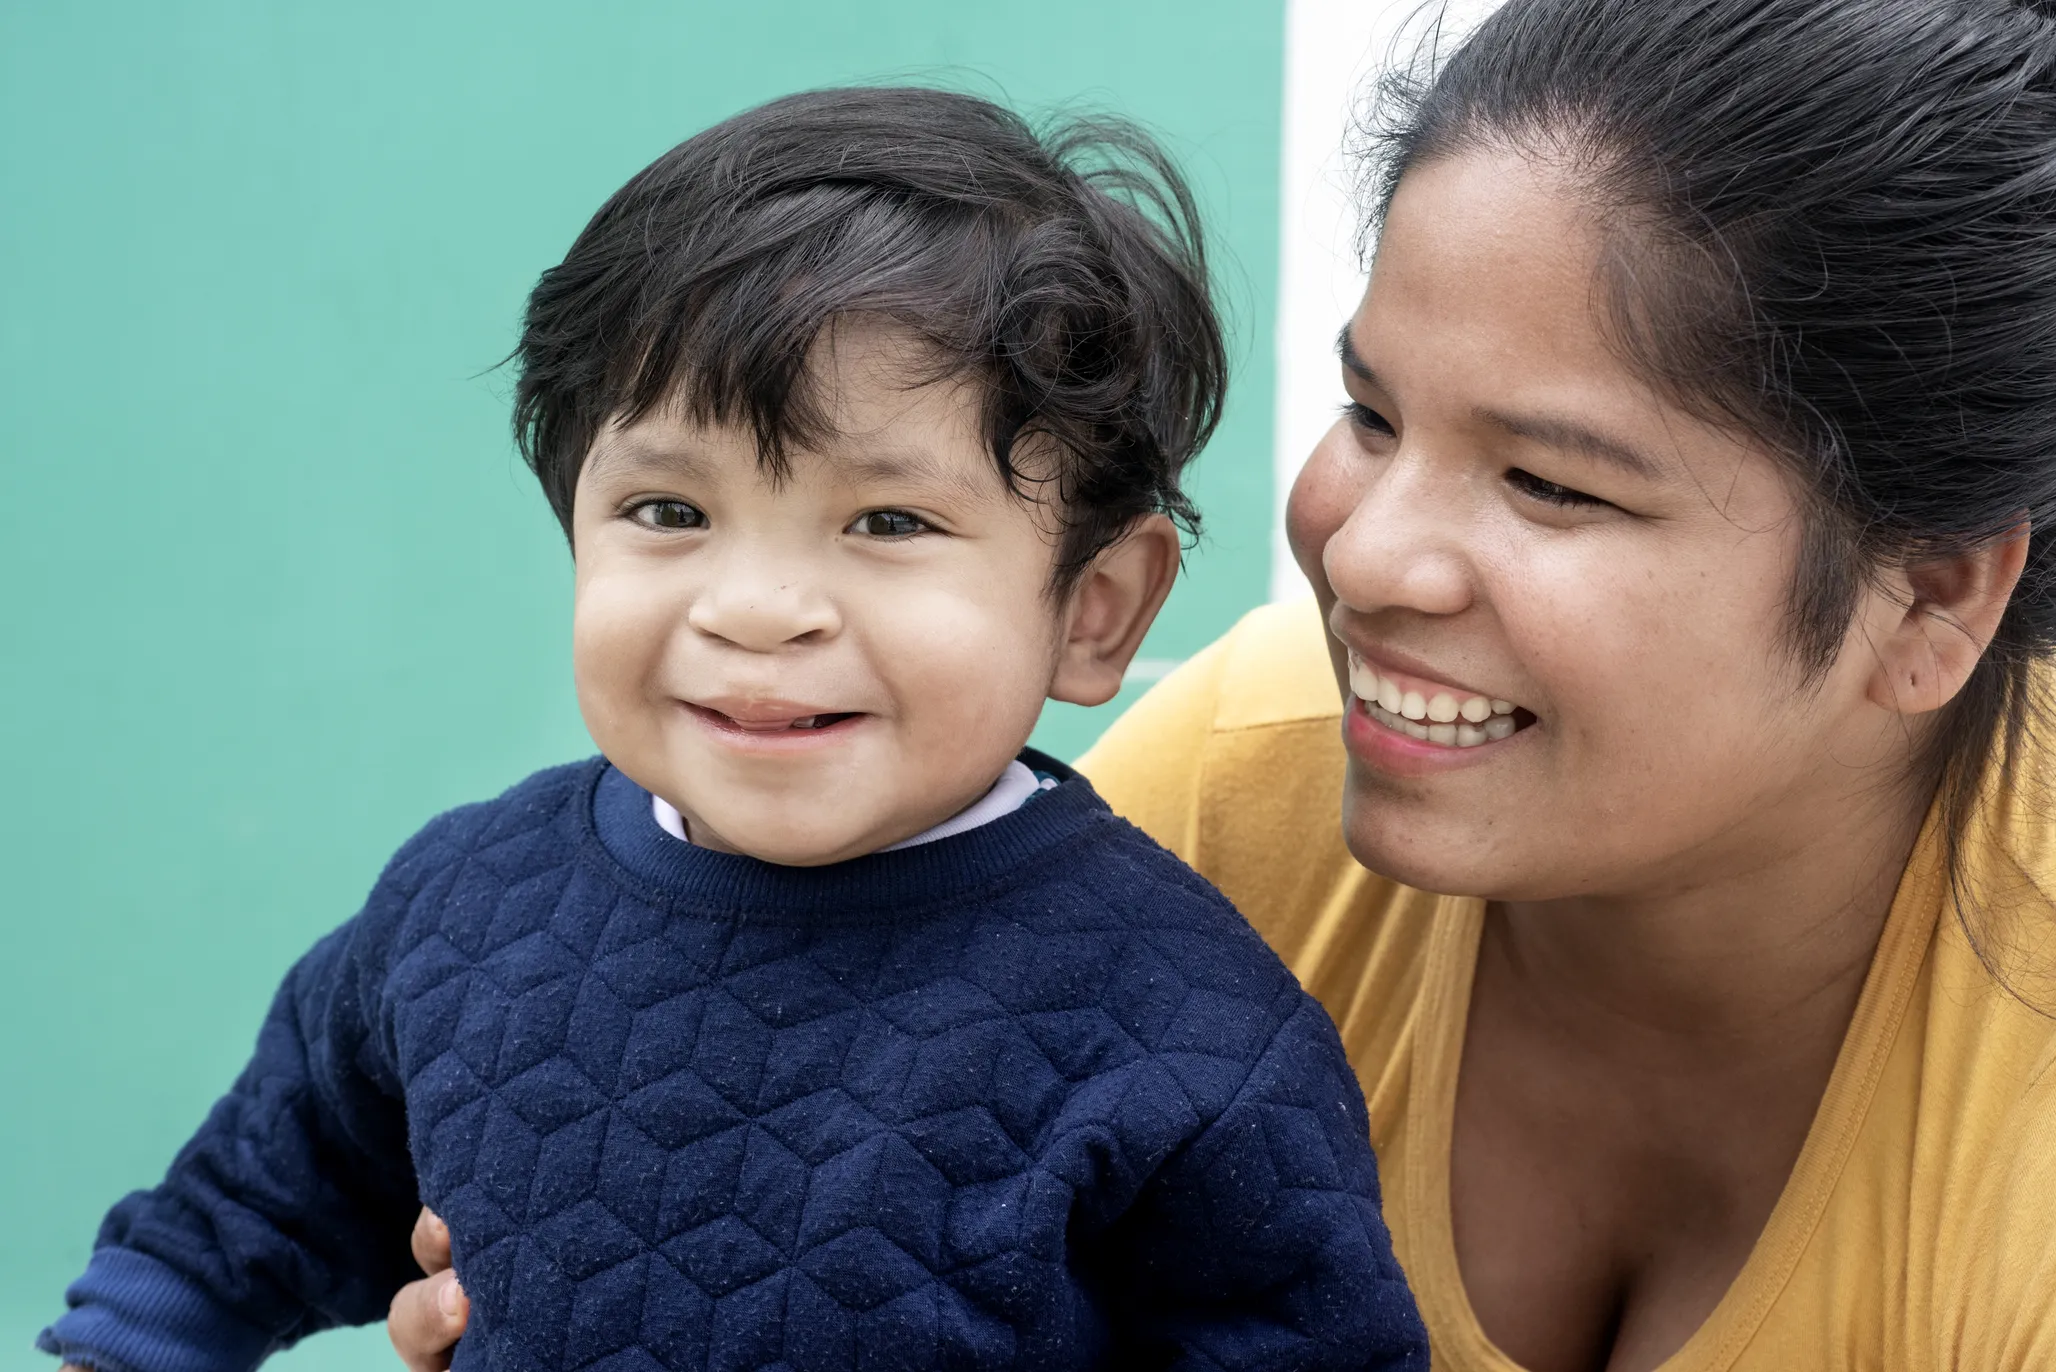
1952	608
1111	608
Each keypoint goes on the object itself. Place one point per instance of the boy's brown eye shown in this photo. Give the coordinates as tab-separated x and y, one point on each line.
887	524
670	514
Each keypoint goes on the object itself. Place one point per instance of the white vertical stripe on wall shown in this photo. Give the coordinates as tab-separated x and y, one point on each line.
1333	50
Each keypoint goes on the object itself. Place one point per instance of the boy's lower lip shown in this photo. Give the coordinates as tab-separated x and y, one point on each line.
1395	753
762	736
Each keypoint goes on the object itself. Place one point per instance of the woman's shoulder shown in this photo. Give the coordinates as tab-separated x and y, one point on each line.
2000	890
1174	754
1961	1135
1981	1113
1239	739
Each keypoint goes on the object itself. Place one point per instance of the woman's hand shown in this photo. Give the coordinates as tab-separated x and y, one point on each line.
428	1316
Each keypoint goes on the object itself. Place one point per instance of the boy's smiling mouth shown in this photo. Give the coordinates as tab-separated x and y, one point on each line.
765	719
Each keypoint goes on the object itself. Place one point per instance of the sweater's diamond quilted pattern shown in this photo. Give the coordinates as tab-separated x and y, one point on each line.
1083	1118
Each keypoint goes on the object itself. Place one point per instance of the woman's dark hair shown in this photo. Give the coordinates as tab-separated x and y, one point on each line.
1832	226
1064	274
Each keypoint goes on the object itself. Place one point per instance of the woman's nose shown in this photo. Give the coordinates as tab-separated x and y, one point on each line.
1405	544
762	607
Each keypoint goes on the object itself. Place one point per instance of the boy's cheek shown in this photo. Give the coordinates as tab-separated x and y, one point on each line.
968	662
614	656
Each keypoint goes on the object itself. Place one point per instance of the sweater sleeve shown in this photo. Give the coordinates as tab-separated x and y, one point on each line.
288	1212
1261	1244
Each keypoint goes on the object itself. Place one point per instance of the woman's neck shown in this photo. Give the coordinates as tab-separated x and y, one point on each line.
1772	950
1652	1064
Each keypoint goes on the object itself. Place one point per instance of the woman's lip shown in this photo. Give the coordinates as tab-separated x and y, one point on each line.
1412	675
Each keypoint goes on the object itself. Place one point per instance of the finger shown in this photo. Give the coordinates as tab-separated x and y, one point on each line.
431	1242
426	1320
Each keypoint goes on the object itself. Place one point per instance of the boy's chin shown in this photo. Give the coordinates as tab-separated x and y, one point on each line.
780	840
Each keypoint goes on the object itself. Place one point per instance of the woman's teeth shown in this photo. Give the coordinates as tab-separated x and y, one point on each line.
1464	735
1443	718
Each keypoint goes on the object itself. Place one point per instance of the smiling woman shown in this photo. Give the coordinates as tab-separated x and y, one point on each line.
1682	554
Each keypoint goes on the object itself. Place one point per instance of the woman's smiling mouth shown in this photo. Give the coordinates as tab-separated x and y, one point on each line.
1430	712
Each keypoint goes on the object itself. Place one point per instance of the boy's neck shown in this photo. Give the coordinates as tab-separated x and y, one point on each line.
1016	786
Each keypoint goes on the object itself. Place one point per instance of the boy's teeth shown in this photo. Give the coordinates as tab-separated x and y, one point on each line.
1445	718
804	722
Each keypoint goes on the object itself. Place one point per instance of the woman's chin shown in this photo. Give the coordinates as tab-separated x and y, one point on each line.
1404	840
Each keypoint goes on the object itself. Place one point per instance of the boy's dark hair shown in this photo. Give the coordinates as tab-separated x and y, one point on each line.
1065	274
1832	225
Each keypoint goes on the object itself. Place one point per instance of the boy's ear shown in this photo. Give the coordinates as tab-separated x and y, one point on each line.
1111	608
1951	610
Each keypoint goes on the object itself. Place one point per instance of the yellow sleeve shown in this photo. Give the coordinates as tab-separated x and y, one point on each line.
2006	1316
1148	764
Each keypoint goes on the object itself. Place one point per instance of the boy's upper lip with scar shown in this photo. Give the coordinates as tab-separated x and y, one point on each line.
762	713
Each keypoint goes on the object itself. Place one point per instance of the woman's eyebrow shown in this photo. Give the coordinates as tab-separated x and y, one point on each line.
1554	432
1568	435
1356	366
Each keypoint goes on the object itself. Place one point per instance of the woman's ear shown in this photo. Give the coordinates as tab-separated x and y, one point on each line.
1111	608
1950	609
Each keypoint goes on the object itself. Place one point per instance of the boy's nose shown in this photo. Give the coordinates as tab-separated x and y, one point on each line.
765	614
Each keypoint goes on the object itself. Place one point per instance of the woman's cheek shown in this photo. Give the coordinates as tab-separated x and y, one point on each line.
1320	504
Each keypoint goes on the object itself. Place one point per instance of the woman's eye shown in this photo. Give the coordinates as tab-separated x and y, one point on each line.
888	524
1362	416
1549	493
670	514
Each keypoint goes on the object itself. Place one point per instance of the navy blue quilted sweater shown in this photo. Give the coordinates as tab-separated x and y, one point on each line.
1034	1096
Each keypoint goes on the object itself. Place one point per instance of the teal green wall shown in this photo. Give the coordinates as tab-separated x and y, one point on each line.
277	588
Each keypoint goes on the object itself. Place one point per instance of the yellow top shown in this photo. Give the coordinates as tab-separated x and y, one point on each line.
1918	1229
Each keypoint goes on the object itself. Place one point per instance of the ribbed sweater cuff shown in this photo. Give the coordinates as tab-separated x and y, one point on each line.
132	1313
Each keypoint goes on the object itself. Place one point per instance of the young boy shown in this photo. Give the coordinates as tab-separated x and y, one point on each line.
815	1023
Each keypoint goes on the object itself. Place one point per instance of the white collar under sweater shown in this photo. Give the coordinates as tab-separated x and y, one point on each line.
1015	787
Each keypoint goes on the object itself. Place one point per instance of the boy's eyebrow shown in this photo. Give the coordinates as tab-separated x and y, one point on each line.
914	466
622	454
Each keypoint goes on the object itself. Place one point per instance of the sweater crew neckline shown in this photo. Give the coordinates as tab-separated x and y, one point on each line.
891	884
